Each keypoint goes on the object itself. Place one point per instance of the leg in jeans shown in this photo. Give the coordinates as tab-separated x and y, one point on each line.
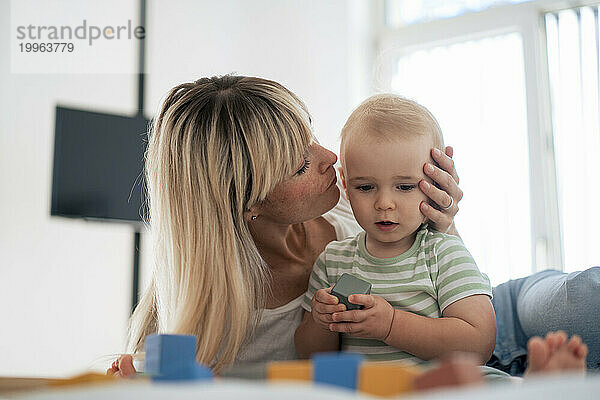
551	301
510	353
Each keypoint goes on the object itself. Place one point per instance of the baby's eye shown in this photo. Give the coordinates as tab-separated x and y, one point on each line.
406	188
364	188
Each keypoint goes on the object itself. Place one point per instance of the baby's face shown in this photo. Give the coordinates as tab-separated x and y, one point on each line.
381	180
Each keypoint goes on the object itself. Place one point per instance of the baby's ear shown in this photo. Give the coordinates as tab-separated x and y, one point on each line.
343	178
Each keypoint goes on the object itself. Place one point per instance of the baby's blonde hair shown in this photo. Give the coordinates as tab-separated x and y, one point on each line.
388	116
218	146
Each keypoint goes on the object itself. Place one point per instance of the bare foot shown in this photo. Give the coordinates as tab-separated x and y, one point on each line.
554	354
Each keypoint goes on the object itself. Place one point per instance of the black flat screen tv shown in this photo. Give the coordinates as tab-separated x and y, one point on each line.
98	166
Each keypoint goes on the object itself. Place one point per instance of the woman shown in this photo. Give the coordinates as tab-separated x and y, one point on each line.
242	201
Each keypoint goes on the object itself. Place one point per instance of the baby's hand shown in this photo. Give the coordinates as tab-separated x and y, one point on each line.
373	321
122	367
323	305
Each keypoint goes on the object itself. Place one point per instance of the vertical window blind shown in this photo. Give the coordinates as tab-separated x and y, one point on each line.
573	63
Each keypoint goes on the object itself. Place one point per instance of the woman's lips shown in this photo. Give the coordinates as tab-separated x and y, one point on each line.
386	226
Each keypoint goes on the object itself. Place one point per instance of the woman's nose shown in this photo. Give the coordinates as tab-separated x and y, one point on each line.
327	158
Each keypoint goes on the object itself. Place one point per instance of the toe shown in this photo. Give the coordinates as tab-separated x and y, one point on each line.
582	351
555	340
537	354
561	338
550	340
574	343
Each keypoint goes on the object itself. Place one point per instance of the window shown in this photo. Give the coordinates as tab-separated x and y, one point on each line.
476	91
572	40
514	85
406	12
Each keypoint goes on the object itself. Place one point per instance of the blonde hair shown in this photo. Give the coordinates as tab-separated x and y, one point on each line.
218	146
388	116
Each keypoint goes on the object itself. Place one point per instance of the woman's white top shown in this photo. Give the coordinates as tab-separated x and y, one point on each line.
274	337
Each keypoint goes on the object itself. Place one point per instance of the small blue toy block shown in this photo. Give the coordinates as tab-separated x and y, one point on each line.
173	357
339	369
191	372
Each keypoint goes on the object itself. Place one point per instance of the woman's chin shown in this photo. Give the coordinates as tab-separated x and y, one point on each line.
328	200
335	197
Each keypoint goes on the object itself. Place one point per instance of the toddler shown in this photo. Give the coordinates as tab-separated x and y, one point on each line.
428	297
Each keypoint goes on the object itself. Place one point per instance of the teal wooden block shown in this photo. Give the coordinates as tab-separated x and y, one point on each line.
347	285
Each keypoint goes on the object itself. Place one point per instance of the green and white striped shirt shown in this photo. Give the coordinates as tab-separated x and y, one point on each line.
434	273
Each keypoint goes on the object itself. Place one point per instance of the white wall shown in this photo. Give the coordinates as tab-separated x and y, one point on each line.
64	284
302	44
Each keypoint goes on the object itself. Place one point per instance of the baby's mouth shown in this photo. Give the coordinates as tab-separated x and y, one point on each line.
386	226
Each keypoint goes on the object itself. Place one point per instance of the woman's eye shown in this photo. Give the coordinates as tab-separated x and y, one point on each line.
364	188
303	168
406	188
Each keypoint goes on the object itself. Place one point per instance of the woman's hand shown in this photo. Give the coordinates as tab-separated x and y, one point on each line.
323	305
122	367
373	321
446	199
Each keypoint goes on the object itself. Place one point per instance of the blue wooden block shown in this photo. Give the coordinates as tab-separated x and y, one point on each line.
190	372
173	357
339	369
165	353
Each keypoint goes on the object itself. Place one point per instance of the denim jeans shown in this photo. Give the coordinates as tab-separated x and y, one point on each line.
543	302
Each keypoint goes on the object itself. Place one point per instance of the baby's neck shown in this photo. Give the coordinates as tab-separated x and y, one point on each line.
390	250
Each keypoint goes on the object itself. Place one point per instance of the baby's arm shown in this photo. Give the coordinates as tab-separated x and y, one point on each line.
467	325
313	334
468	322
